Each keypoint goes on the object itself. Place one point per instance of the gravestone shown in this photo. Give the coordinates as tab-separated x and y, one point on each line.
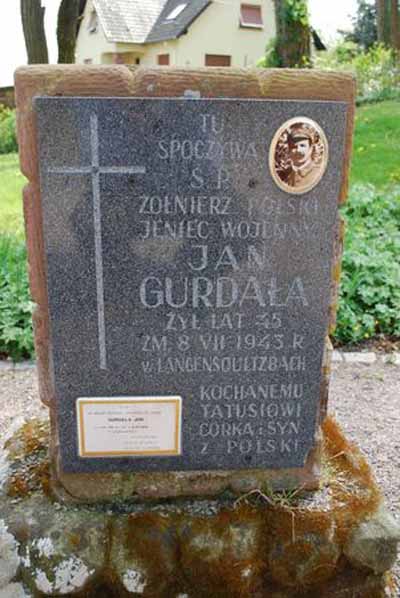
190	246
184	250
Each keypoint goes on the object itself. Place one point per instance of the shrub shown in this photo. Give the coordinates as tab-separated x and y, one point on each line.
345	52
271	58
8	137
15	305
370	285
377	71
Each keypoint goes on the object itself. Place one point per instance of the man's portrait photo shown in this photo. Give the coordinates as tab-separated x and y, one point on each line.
298	155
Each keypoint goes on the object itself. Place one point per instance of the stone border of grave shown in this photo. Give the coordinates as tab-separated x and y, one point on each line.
334	542
366	357
342	357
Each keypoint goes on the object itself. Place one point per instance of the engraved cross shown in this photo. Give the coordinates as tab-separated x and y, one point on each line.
95	170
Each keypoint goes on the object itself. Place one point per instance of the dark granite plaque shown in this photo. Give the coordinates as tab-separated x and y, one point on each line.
177	267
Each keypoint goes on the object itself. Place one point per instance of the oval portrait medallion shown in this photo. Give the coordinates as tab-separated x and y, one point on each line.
298	155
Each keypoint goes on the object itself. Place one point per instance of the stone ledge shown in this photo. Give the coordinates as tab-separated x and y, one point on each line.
368	358
263	544
7	365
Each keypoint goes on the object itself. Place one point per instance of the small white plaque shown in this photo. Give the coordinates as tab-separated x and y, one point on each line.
123	426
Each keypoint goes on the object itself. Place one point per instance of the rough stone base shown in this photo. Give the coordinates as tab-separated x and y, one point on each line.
336	542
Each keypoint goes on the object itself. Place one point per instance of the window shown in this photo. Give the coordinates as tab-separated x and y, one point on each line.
163	59
93	22
217	60
88	61
176	12
250	16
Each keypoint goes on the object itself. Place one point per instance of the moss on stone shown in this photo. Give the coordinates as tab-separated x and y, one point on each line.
28	455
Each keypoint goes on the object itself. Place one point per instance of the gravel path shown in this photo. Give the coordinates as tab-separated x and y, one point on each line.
19	396
365	399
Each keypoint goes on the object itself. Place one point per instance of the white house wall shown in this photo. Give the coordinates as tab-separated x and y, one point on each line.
217	31
170	47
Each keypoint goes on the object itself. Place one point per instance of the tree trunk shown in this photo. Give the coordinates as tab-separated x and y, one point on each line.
293	39
394	22
388	21
380	13
67	26
32	15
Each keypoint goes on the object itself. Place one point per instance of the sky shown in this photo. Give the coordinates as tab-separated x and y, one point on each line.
326	16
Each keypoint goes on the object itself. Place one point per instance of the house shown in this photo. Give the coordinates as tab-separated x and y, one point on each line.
181	33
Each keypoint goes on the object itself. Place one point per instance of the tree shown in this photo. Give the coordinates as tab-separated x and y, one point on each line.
365	33
68	15
293	40
32	15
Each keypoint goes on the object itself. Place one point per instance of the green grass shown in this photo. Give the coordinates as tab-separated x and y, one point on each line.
376	157
11	185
